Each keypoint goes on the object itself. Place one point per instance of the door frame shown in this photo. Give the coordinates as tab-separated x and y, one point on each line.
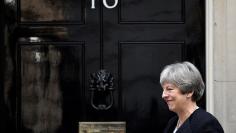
209	21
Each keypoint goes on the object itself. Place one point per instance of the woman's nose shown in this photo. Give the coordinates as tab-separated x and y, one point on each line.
164	95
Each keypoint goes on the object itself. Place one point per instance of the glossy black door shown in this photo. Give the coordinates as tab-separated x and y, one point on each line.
55	46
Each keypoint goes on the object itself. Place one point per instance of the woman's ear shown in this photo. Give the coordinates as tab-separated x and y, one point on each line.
189	94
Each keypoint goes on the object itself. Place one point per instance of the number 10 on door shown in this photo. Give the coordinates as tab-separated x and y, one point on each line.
105	4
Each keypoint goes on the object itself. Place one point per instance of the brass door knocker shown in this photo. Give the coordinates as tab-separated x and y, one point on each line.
101	87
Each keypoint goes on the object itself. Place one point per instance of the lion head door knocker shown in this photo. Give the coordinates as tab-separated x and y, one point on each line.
101	87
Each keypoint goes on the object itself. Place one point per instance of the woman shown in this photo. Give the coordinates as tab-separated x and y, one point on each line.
182	86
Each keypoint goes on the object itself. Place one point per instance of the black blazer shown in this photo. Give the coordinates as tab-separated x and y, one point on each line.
199	121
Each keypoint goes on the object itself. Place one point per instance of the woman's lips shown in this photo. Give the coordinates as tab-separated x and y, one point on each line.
168	101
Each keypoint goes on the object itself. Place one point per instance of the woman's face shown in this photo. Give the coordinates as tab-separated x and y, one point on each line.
173	97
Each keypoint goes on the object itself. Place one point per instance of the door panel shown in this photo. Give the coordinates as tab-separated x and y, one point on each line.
141	64
152	11
51	87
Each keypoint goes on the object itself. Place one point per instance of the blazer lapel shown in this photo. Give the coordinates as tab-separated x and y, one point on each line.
185	128
171	125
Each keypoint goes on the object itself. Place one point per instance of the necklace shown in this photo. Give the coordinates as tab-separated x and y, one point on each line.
179	123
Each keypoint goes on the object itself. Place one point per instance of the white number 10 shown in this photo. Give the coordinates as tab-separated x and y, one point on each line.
105	4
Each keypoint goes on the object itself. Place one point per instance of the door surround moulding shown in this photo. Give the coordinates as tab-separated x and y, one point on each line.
209	56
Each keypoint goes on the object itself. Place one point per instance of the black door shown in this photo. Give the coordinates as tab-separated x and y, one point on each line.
79	61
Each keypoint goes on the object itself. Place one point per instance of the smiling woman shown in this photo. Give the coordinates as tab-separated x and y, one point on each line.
182	87
170	93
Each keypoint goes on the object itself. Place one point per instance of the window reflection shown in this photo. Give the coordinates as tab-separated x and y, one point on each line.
41	95
50	10
11	2
41	10
50	88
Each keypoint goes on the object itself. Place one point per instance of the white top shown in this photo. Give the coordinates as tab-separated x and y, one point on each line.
175	130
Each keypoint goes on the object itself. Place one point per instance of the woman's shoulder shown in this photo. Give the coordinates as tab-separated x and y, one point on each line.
203	120
202	115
